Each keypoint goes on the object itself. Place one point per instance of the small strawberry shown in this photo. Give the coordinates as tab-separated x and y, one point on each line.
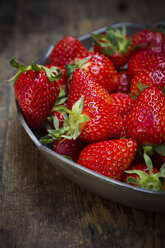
109	158
150	39
69	148
66	50
142	60
82	83
148	77
36	89
123	102
146	120
124	85
146	176
100	68
115	44
91	120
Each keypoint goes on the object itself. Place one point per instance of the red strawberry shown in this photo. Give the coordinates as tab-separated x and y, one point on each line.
109	158
143	37
66	50
123	102
144	59
36	90
82	83
124	85
149	40
100	68
146	120
145	175
69	148
115	44
91	120
148	77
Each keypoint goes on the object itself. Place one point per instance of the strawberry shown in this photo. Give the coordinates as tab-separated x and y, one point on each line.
100	68
82	83
109	158
146	120
115	44
69	148
146	175
91	120
142	60
124	85
149	39
123	102
66	50
142	38
148	77
36	90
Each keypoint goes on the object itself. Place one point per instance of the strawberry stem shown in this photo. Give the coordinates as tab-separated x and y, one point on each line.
114	40
22	68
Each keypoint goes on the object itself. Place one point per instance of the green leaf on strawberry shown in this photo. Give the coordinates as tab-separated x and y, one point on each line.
150	180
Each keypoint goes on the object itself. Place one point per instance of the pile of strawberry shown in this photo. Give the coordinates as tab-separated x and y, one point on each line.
103	108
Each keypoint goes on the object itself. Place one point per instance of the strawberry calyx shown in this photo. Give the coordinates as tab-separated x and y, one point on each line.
113	41
149	181
75	119
141	87
72	121
35	67
74	64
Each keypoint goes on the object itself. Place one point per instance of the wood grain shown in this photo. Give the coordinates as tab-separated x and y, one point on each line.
39	207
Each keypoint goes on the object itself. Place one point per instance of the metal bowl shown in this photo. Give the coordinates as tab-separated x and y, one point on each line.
103	186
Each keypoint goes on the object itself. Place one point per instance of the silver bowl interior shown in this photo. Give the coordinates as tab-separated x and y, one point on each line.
103	186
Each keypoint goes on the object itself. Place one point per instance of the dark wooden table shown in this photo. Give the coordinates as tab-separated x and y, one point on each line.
39	207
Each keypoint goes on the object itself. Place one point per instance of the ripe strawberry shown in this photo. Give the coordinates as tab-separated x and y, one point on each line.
69	148
124	85
146	175
91	120
66	50
36	90
109	158
82	83
100	68
148	77
142	37
144	59
146	120
151	40
123	102
115	44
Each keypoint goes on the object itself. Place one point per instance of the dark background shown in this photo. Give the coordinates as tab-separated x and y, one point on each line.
39	207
